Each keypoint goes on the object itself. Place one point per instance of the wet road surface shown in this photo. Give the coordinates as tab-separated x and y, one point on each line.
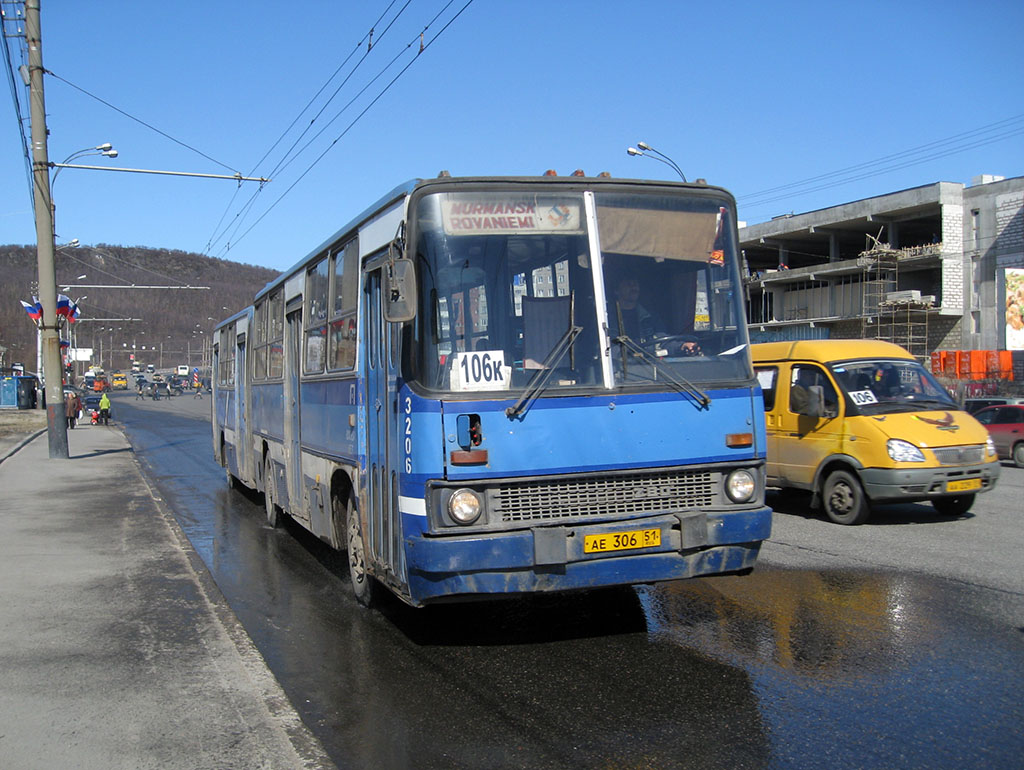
856	664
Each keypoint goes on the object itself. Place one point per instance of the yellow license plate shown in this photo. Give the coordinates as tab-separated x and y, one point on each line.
963	485
622	541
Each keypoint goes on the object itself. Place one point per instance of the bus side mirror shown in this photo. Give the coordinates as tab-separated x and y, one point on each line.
399	290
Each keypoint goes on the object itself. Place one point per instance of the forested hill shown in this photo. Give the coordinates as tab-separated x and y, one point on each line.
173	322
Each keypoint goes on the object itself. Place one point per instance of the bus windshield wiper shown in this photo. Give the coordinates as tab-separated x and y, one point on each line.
539	380
681	383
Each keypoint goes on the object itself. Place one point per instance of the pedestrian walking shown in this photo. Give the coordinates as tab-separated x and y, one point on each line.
72	406
105	409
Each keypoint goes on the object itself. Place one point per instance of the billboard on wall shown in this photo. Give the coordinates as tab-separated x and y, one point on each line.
1013	280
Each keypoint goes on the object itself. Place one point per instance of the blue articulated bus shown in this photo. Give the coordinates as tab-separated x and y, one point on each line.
494	386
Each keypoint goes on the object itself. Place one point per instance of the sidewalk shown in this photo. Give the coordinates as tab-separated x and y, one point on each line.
116	648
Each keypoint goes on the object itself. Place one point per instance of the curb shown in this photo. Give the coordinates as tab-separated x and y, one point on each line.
307	746
29	438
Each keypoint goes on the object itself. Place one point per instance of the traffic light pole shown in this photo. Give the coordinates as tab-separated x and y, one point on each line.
56	418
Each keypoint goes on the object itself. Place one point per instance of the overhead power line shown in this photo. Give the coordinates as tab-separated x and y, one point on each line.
367	39
19	112
142	122
423	46
941	148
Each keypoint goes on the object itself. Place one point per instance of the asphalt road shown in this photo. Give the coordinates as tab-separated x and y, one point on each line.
899	643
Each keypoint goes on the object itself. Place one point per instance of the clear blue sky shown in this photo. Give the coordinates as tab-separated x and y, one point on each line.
749	95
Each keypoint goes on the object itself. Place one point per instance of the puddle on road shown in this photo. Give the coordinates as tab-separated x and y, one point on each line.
876	669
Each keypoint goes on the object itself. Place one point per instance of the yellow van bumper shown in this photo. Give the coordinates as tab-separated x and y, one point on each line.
911	484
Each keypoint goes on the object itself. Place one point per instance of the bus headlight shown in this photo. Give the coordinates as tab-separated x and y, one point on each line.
464	506
903	451
740	486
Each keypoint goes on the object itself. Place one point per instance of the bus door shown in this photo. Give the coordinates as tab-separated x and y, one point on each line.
243	446
292	451
384	538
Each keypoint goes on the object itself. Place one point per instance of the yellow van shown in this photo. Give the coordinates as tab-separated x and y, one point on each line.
857	422
119	381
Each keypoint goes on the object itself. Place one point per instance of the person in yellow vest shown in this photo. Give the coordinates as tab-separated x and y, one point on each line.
105	409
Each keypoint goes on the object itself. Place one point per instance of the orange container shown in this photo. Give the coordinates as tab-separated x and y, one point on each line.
979	361
963	364
1006	364
992	364
936	362
949	362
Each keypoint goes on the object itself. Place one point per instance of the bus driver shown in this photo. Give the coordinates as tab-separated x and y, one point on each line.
632	319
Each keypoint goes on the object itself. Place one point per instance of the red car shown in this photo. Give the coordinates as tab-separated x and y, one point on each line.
1005	425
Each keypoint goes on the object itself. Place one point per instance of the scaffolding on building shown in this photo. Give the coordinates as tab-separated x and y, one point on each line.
900	317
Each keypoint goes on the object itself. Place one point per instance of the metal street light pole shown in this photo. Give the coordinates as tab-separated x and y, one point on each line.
658	156
56	417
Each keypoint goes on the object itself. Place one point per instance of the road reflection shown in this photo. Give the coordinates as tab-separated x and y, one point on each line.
805	621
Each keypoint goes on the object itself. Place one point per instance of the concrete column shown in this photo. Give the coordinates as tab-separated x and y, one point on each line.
834	254
894	234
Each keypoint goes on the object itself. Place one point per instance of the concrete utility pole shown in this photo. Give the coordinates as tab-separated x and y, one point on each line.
56	419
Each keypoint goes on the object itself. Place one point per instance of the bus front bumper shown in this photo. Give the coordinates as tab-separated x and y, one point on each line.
552	558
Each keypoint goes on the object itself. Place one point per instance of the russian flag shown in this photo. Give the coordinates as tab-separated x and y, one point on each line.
35	311
64	305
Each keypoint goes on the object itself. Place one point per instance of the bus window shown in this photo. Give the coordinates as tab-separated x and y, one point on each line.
275	336
314	356
259	366
343	330
476	272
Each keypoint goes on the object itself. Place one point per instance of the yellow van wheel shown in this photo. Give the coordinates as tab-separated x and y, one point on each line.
955	505
843	499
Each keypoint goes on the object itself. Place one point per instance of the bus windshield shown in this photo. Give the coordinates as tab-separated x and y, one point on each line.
514	283
880	386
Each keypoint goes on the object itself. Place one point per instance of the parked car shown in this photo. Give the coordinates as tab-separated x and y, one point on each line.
1005	425
972	405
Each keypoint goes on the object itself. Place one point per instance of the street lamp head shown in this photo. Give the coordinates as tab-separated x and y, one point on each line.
106	146
73	243
643	145
633	151
110	153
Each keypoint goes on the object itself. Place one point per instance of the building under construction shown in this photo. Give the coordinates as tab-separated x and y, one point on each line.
922	268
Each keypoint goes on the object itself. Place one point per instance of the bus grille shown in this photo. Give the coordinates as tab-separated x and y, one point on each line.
604	496
960	455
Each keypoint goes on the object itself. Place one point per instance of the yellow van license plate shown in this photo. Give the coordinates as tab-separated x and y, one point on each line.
622	541
963	485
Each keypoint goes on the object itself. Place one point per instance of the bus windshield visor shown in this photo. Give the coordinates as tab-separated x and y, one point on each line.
878	387
515	285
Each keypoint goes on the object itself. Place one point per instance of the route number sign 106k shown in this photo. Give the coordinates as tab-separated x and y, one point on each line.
480	370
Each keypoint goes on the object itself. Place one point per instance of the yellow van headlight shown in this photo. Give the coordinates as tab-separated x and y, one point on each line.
990	445
903	451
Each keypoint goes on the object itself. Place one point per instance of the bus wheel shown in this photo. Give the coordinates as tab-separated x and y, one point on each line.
363	584
844	499
270	494
956	505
